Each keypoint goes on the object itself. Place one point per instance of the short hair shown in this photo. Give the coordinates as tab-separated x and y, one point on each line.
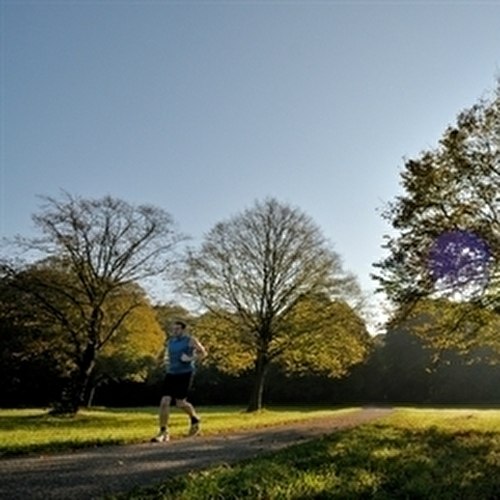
181	323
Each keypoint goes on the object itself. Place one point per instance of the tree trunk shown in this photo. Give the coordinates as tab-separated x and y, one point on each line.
73	395
261	365
90	398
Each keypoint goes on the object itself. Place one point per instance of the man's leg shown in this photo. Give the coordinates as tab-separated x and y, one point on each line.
164	411
163	417
188	408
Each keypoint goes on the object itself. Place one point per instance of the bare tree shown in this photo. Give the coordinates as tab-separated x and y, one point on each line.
89	253
256	269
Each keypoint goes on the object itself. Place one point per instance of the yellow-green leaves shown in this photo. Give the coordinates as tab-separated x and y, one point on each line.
322	337
231	347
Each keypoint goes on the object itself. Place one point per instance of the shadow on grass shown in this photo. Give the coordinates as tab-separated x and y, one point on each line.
373	461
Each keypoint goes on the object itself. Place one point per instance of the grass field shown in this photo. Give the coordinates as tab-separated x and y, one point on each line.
413	454
35	431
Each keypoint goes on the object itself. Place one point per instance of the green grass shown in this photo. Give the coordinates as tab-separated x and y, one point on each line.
413	454
35	431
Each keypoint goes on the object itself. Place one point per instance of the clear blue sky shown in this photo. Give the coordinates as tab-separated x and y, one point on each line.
202	107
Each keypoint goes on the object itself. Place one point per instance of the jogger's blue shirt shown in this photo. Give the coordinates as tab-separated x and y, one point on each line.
175	348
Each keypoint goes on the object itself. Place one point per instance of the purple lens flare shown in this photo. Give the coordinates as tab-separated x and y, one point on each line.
459	260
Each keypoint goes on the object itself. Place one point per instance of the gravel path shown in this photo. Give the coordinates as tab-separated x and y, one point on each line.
97	472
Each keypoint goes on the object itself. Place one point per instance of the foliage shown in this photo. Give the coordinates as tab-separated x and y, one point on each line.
405	369
413	363
228	342
433	455
32	356
448	325
39	357
132	353
322	337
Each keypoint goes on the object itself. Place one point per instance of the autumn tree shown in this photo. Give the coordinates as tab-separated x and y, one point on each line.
99	248
256	274
446	242
323	337
132	352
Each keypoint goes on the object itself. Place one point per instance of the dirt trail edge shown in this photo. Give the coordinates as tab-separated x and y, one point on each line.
102	471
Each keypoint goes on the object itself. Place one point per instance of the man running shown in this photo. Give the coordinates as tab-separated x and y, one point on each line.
181	352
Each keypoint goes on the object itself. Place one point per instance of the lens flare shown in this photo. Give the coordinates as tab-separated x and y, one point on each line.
459	261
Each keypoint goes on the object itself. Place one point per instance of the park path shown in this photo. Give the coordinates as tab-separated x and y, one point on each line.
97	472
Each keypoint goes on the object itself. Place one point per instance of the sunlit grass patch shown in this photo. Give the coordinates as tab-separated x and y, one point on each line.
23	431
36	431
454	419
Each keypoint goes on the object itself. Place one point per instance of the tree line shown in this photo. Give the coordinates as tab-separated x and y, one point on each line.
400	366
270	287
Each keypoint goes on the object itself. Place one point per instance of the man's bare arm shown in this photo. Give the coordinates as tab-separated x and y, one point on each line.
200	351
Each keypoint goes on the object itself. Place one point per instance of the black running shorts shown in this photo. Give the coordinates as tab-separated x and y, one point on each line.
177	385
